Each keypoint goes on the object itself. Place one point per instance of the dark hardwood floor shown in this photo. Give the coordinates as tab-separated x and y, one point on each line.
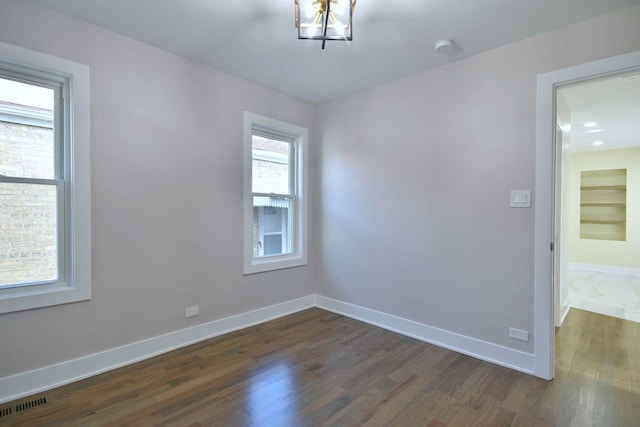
317	368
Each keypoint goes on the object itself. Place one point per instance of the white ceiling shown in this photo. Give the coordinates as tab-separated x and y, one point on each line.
613	104
257	39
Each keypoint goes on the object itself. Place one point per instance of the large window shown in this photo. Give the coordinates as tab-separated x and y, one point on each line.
275	196
44	188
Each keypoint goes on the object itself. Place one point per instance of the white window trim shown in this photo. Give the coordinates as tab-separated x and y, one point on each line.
77	283
298	255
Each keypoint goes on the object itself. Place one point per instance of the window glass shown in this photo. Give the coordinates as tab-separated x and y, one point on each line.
272	231
270	166
28	218
26	130
28	234
271	174
273	244
272	220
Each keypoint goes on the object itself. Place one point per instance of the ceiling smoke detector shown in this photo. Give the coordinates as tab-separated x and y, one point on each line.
444	46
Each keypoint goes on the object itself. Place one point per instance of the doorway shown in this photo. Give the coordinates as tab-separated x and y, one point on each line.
597	262
548	156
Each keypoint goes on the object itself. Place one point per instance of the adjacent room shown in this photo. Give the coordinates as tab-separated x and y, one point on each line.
324	212
600	189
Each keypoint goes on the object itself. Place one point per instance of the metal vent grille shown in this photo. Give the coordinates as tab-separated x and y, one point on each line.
31	404
24	406
4	412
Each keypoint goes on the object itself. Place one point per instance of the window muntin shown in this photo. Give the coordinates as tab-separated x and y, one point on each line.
275	197
44	180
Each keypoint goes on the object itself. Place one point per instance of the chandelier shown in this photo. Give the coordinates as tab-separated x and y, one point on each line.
324	19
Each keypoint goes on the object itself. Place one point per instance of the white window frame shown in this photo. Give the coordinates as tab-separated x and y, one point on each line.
299	137
74	206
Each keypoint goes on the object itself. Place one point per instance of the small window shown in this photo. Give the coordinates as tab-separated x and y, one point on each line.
44	221
275	202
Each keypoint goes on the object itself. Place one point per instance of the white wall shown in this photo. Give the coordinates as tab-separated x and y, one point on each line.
166	137
415	180
607	252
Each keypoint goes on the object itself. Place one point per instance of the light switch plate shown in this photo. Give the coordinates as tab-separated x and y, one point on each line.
520	199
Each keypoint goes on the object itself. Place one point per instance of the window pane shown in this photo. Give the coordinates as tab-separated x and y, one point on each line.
273	244
28	234
273	219
270	165
26	130
272	226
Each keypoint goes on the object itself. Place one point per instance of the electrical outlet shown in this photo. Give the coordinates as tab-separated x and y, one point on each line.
191	311
518	334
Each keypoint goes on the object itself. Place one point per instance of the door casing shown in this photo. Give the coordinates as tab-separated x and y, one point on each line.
545	207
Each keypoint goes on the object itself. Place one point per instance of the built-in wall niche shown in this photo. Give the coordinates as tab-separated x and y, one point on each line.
603	204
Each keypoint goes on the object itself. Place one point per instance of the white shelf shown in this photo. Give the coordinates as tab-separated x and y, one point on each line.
603	204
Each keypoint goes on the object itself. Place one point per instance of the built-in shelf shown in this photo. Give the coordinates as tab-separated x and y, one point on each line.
604	187
603	204
601	221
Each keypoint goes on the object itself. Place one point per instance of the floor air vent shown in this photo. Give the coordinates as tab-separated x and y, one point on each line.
31	404
21	407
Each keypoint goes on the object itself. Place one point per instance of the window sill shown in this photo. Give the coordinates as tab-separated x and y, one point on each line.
260	265
28	300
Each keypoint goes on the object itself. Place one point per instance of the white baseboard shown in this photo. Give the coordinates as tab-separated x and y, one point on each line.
612	269
473	347
566	306
39	380
49	377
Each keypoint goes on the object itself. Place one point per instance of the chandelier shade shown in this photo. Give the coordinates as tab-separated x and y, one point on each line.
324	19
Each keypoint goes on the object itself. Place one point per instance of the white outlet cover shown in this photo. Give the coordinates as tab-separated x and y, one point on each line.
191	311
519	334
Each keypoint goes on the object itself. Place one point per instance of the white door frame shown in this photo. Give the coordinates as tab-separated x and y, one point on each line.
544	345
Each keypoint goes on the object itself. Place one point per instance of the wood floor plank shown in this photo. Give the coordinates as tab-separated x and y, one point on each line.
317	368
